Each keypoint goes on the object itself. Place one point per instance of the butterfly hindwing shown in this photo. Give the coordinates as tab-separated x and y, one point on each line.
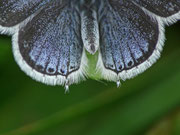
49	47
131	40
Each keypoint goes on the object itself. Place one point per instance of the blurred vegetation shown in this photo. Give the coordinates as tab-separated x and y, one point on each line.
149	104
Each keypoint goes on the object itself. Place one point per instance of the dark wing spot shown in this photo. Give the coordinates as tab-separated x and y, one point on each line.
130	63
50	70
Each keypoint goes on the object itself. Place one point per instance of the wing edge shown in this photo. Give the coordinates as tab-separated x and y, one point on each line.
110	75
166	20
13	29
74	77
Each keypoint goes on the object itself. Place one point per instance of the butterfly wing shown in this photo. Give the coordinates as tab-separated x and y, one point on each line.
13	12
49	48
167	10
131	40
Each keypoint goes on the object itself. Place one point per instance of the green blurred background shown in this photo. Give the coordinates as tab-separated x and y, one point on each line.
149	104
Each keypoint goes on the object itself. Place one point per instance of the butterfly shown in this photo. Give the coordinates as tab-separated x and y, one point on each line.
50	38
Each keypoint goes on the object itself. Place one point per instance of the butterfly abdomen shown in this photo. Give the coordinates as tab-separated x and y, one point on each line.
89	26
